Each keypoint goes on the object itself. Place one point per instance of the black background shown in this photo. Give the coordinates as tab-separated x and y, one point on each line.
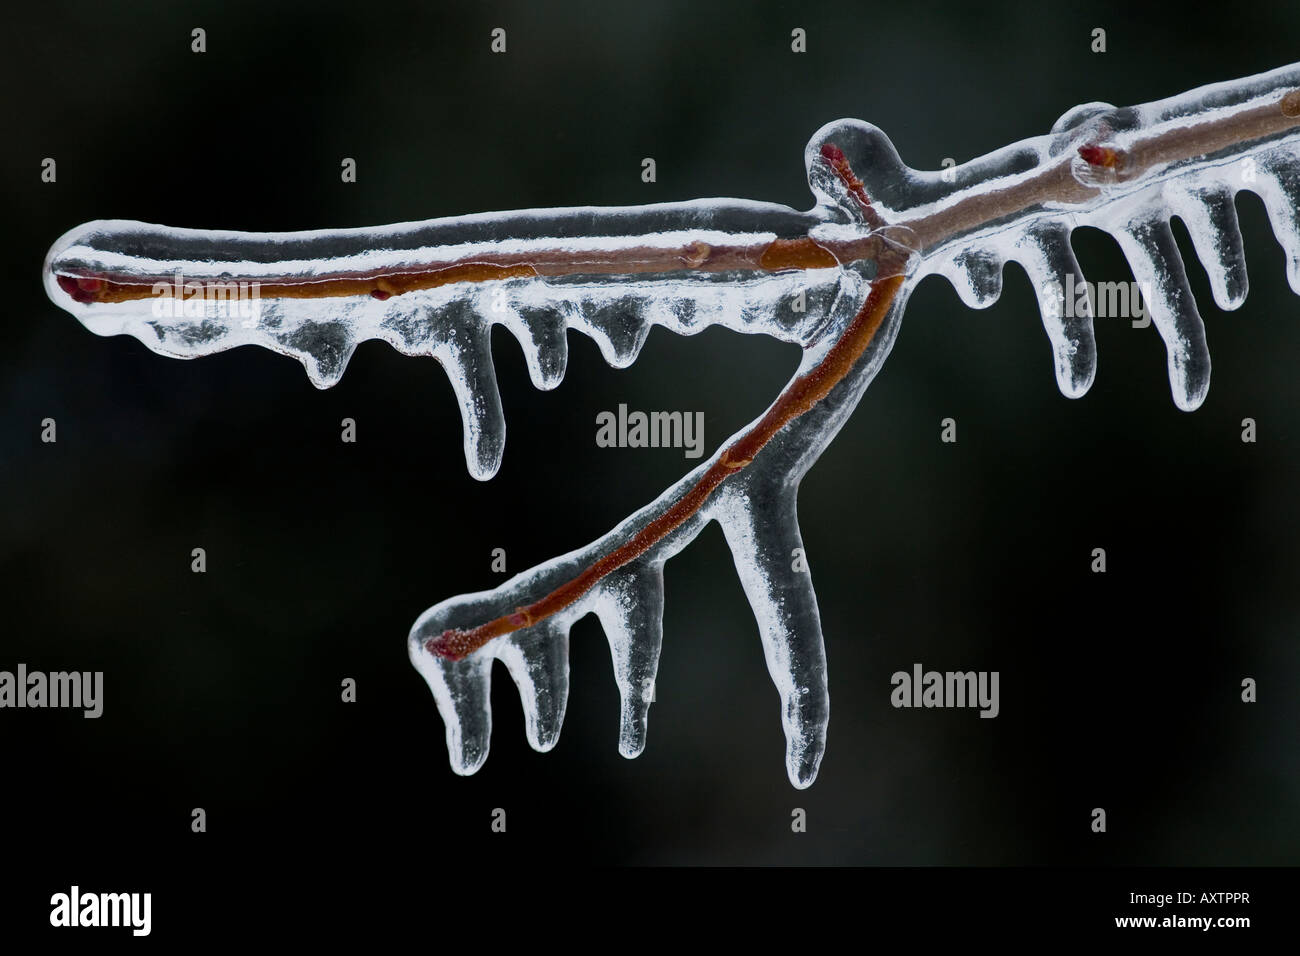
222	690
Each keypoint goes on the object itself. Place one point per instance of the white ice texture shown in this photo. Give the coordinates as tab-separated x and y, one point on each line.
757	507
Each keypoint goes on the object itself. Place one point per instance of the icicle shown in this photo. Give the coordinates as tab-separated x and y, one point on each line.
1048	259
540	332
631	610
762	531
1278	184
976	274
617	329
461	691
538	661
1157	266
1210	215
323	348
468	363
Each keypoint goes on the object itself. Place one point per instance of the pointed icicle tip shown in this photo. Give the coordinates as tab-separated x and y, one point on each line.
631	612
538	661
473	379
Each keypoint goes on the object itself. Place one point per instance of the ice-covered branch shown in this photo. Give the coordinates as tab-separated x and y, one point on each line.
834	279
1125	171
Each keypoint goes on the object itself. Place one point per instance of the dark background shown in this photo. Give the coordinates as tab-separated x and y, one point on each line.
222	690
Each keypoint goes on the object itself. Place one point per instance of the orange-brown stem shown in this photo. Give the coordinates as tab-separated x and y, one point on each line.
780	254
797	398
1055	181
835	158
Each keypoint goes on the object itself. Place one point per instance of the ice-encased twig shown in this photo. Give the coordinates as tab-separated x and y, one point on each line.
316	295
436	288
756	511
1185	156
762	530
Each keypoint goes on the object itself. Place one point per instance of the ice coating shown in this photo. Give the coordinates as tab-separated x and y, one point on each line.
757	513
282	300
1122	170
436	288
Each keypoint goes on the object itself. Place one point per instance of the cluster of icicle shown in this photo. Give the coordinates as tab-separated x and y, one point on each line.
453	323
756	508
758	511
1199	191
